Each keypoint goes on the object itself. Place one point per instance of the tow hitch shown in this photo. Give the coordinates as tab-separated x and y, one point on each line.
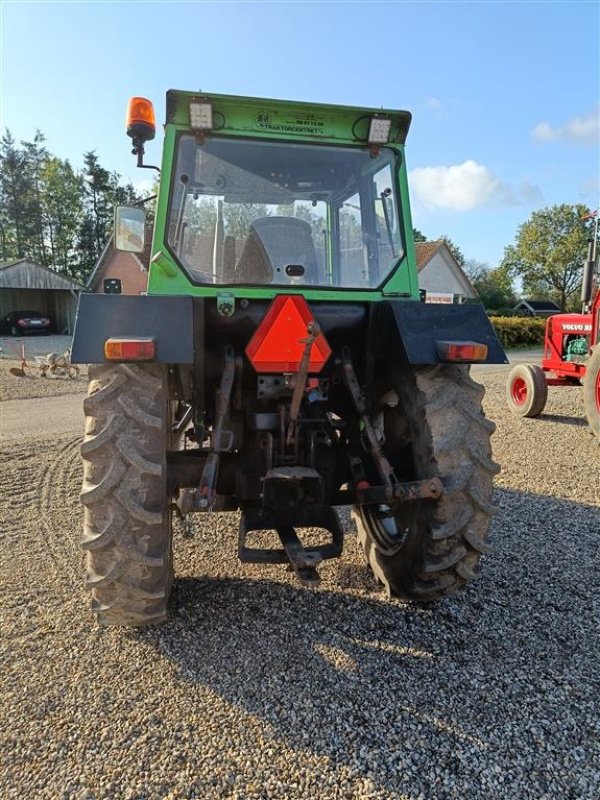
303	561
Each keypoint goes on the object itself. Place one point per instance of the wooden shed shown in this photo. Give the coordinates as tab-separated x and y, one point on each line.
30	287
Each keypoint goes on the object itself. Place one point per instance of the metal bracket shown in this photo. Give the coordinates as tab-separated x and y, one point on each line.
221	440
302	560
427	489
226	304
313	332
384	467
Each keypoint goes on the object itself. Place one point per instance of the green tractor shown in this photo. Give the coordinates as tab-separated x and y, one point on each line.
282	362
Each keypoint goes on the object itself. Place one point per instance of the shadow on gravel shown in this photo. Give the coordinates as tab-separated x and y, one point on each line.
332	673
411	697
579	421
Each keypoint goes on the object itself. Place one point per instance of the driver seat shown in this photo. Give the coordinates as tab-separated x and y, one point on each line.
272	244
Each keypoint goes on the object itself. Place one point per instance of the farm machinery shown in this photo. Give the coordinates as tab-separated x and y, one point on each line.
571	357
281	363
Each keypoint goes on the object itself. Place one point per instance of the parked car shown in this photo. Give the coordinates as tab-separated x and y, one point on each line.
18	323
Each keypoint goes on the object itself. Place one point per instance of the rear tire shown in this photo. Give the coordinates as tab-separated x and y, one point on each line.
527	390
127	527
432	548
591	391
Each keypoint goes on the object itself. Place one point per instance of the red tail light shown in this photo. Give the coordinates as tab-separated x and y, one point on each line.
129	349
462	351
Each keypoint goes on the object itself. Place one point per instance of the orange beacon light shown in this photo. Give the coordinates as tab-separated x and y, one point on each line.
140	119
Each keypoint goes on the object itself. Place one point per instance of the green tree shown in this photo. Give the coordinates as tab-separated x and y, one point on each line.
102	191
303	209
62	212
455	250
14	191
494	286
49	213
35	156
549	252
238	216
418	236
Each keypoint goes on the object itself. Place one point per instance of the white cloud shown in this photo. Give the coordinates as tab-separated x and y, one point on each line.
466	186
581	130
434	103
544	133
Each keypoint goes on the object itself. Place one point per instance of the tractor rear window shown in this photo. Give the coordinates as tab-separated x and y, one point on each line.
268	213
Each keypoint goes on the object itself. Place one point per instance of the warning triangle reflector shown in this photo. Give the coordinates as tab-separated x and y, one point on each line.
278	343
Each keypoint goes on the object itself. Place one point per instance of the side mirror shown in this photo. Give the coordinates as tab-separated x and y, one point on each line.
130	229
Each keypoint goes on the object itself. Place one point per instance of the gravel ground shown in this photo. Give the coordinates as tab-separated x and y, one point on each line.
258	688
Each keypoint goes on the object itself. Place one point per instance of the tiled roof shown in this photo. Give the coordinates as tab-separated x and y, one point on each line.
425	252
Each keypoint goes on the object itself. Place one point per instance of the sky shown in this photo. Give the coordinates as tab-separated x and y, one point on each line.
505	96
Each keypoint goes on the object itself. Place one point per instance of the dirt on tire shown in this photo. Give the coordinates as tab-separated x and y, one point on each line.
450	438
127	530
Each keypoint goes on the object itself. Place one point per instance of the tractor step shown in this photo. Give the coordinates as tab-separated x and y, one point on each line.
302	560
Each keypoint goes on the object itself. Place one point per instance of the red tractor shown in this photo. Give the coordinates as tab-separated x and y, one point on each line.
571	358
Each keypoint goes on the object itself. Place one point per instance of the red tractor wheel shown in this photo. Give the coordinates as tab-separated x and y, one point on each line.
526	390
591	391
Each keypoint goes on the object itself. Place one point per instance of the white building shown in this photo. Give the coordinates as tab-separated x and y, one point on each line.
440	275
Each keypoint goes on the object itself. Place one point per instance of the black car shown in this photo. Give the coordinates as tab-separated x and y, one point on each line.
18	323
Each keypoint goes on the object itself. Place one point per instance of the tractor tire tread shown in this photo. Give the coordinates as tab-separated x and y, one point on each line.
127	536
443	556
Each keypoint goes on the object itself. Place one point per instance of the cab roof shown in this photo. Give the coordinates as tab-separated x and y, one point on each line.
285	119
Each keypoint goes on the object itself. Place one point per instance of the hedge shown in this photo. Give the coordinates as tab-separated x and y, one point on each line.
519	331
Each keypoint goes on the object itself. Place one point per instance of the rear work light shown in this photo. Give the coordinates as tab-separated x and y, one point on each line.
201	116
379	130
129	349
462	351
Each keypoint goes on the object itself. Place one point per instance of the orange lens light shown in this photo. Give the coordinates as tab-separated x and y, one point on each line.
140	113
140	110
129	349
462	351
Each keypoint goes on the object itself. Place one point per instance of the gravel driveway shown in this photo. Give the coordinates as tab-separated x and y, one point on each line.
258	688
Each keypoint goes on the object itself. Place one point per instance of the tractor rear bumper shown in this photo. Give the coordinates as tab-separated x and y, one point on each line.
418	328
411	330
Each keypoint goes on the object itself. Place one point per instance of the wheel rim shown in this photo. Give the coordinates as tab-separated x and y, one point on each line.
387	534
598	392
518	391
